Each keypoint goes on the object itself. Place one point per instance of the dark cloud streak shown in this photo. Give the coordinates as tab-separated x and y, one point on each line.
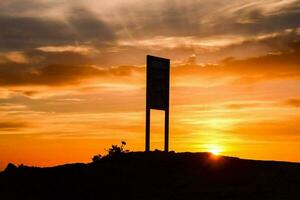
292	102
12	74
12	125
25	33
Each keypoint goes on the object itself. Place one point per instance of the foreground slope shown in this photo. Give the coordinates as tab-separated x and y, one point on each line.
156	175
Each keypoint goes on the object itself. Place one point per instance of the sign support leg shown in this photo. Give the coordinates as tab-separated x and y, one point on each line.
147	146
167	130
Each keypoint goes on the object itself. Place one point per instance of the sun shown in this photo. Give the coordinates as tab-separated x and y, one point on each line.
215	151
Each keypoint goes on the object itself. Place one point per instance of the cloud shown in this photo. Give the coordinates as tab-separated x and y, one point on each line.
89	27
16	57
281	65
68	68
120	33
207	18
41	58
17	74
26	32
58	69
272	66
21	7
12	125
85	45
292	103
237	106
208	50
255	20
21	33
25	24
272	131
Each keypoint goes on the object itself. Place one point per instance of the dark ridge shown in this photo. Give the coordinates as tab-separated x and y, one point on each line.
155	175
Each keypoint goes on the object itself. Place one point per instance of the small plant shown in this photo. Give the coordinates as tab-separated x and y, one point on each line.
10	167
117	150
96	158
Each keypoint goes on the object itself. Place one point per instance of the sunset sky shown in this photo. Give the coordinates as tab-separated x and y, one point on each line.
72	77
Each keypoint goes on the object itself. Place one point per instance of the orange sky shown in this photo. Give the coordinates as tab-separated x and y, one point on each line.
72	77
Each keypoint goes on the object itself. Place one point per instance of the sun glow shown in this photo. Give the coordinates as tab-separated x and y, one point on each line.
215	151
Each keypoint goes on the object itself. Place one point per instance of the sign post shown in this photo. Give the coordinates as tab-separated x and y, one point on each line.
157	93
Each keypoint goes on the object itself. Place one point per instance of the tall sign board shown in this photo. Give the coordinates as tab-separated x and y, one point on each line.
157	94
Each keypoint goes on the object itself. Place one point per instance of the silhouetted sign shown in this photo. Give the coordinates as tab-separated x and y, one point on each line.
157	97
158	82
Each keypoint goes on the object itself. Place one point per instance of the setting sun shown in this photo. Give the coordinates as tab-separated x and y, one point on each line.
215	151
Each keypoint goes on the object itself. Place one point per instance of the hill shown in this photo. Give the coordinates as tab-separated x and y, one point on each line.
155	175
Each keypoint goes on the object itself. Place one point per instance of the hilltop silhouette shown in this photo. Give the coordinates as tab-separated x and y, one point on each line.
155	175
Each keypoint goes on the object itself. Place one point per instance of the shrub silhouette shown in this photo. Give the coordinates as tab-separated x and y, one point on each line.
96	158
116	150
113	151
10	167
